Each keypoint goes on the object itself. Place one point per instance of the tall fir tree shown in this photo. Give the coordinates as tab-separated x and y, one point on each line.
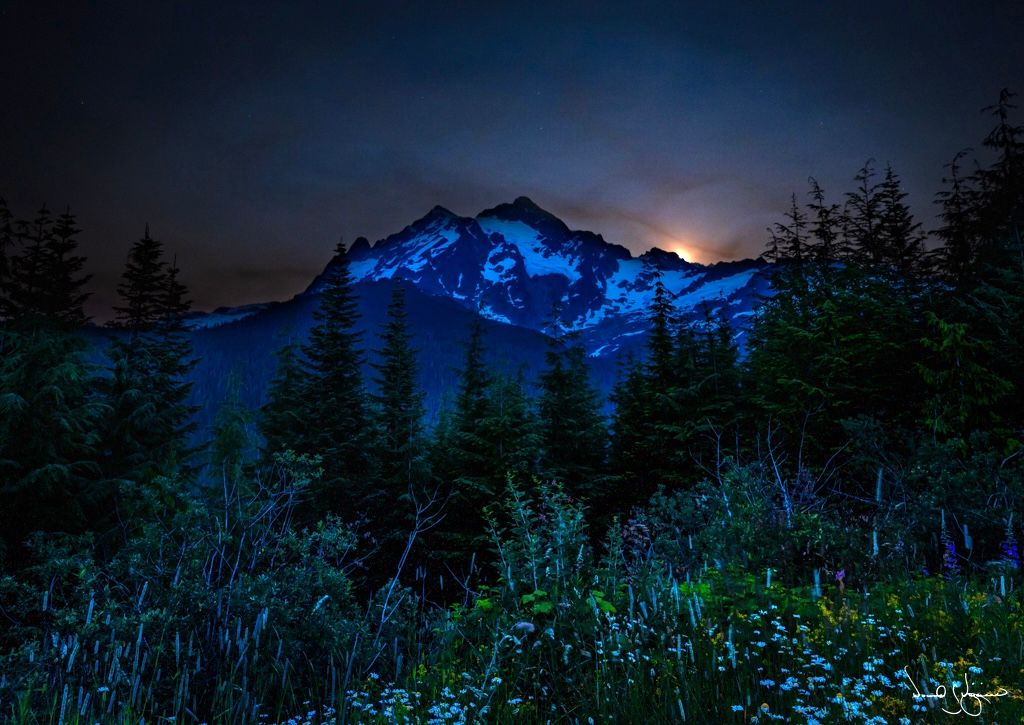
788	240
283	422
148	430
663	384
511	431
649	421
399	411
66	296
862	216
28	269
901	240
140	287
825	228
489	436
466	462
628	434
175	361
232	442
1001	184
959	230
835	343
47	279
573	436
718	381
48	416
993	304
662	319
335	398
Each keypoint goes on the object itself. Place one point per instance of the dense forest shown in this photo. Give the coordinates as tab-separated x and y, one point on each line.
811	519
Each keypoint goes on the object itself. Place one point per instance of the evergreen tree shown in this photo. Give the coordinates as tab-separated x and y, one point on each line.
27	270
150	423
992	306
863	243
837	343
335	399
47	413
717	375
660	343
283	422
66	298
47	283
174	363
573	438
510	432
788	242
468	459
140	286
232	437
825	228
963	392
1001	184
663	386
959	232
629	424
48	436
900	239
491	437
399	408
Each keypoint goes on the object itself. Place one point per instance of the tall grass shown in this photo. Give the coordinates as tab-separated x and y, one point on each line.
556	634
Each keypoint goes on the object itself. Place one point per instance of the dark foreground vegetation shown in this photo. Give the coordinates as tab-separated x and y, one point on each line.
813	519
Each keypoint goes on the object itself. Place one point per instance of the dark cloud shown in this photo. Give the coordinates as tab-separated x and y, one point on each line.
252	136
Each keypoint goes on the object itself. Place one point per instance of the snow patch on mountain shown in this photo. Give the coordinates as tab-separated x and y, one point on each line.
514	263
539	259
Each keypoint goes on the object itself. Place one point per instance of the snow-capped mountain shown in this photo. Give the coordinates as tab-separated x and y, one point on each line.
510	264
514	263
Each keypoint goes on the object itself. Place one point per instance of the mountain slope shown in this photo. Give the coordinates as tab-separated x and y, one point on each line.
511	265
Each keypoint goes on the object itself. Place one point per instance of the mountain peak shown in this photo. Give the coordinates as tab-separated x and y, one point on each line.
437	215
513	262
525	202
525	210
438	212
359	247
664	259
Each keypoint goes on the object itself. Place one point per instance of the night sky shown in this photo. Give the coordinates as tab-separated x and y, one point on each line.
251	136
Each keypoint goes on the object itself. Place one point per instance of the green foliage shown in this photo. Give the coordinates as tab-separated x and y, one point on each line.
491	438
282	419
334	397
796	528
210	607
48	411
45	277
48	441
675	414
232	435
399	410
150	420
573	437
964	390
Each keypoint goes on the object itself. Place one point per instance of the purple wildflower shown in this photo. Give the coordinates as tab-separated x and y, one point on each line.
950	566
1010	552
949	559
